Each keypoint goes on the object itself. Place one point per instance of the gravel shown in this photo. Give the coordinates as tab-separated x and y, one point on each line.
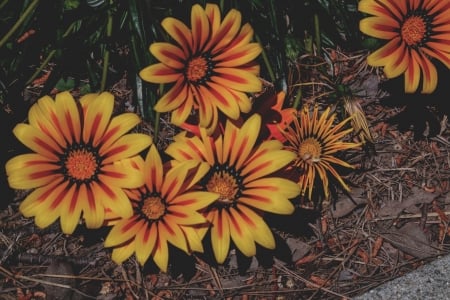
429	282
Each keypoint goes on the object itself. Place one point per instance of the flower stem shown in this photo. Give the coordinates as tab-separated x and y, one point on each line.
317	34
297	99
157	116
49	56
109	26
19	22
266	60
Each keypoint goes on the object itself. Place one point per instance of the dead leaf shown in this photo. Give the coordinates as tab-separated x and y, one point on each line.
345	205
395	208
412	240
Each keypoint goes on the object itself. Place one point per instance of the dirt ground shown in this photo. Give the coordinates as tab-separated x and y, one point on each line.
395	220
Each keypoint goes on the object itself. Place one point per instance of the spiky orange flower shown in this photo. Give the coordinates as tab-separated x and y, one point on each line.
316	140
165	209
73	168
211	66
416	31
241	172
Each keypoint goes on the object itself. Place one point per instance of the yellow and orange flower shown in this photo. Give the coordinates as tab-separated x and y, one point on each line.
165	209
316	141
73	168
212	66
416	31
241	172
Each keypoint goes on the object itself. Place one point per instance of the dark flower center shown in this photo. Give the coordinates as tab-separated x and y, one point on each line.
226	182
416	28
310	150
153	207
199	69
80	163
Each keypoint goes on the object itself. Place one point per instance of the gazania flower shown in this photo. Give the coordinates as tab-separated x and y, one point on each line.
241	172
416	31
164	211
74	167
211	66
316	140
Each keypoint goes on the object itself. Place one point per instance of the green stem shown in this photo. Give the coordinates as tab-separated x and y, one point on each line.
266	60
157	116
317	34
3	3
49	56
109	26
297	99
19	22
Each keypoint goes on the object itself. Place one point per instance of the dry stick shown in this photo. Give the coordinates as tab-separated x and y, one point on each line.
352	249
28	278
306	281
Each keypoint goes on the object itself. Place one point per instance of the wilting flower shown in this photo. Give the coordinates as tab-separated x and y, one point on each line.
316	140
74	167
211	66
416	30
164	211
241	172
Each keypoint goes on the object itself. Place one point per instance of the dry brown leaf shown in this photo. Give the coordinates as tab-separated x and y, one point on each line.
412	240
395	208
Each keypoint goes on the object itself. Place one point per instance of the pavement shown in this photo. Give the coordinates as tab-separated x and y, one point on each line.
429	282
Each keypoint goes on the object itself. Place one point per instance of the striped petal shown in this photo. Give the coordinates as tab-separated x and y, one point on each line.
69	116
126	146
200	28
180	33
97	117
31	170
118	127
145	242
220	234
37	141
177	96
239	80
123	231
260	231
241	228
111	197
170	55
160	73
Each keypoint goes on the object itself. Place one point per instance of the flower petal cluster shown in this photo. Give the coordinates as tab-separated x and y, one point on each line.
73	168
165	210
316	140
211	66
241	172
416	32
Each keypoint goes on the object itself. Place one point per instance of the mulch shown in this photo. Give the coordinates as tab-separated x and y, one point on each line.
395	219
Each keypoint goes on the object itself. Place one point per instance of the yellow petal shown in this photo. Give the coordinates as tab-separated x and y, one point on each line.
69	117
125	147
180	33
37	141
200	28
220	235
240	232
118	127
237	79
260	231
31	170
124	230
145	242
97	117
159	73
169	54
123	252
161	252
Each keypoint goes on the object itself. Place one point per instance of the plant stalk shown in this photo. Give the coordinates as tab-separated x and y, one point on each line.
19	22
